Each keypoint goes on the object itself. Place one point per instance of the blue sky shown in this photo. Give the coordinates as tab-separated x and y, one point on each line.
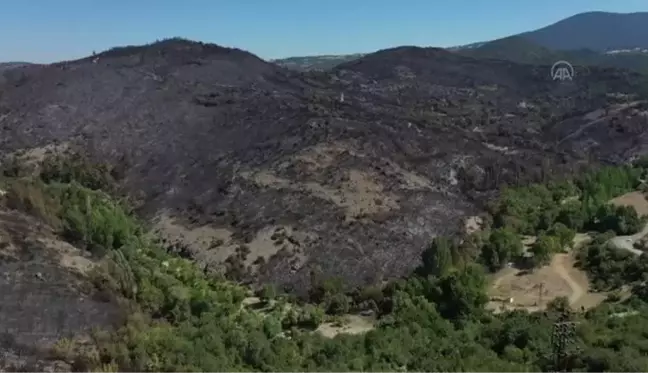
47	31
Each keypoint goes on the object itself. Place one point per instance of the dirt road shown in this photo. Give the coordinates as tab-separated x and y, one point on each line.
559	265
627	242
600	118
638	201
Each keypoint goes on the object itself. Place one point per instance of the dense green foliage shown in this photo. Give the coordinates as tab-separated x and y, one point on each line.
185	320
555	211
610	268
531	209
502	246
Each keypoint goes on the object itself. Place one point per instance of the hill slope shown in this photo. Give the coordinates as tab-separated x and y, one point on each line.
11	65
48	294
272	172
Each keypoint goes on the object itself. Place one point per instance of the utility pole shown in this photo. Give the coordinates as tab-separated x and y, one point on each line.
540	294
562	338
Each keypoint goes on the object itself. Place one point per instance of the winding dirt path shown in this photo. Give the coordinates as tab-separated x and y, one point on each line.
638	201
627	242
612	111
559	265
353	324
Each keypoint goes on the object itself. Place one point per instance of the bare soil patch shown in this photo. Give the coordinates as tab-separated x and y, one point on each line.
69	256
473	224
273	239
632	243
358	193
211	243
635	199
321	156
516	289
38	154
352	324
214	245
580	239
324	156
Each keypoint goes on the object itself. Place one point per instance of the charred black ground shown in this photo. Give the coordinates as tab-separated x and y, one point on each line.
345	173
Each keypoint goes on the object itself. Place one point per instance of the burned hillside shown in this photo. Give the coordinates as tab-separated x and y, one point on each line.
48	294
280	175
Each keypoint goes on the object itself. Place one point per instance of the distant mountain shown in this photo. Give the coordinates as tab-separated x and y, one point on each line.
597	31
513	48
306	63
522	50
593	38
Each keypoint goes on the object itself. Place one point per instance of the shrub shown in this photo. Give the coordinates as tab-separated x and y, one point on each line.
33	198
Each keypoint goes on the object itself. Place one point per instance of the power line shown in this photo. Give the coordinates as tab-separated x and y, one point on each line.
562	342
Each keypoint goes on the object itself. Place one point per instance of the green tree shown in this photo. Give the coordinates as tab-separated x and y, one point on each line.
563	190
268	293
622	220
572	215
559	304
462	293
544	246
338	304
437	258
503	245
271	326
313	316
323	289
564	234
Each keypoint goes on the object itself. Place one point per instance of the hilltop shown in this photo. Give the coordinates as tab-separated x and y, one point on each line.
269	175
